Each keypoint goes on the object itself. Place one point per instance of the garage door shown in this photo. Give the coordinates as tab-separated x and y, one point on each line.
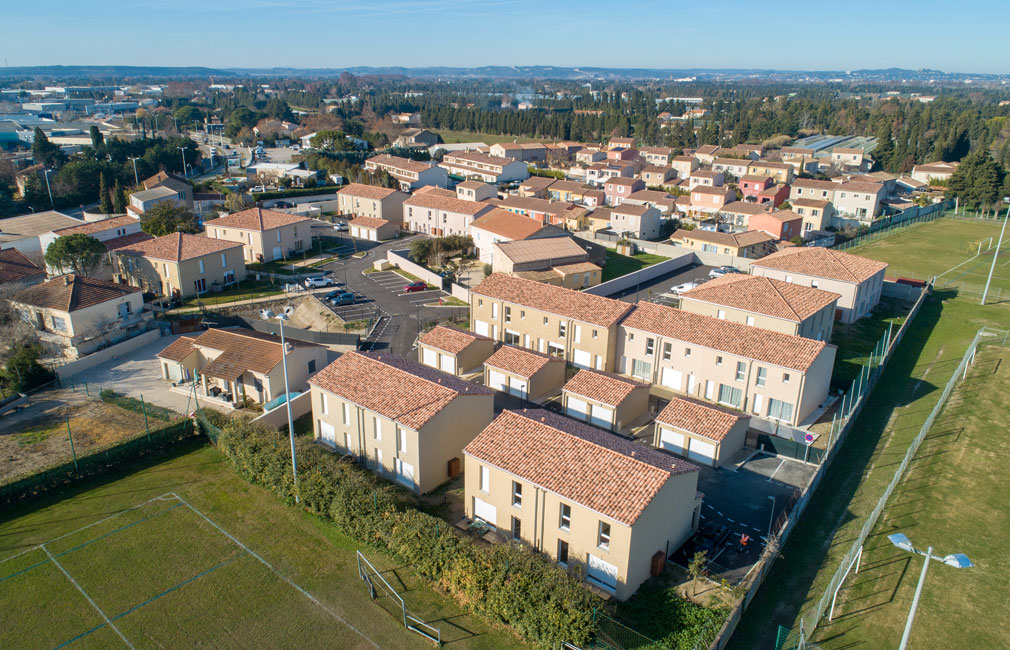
480	327
582	359
671	441
373	235
429	357
174	371
519	388
447	363
602	573
485	511
277	252
496	380
672	378
355	231
701	451
602	416
327	433
576	408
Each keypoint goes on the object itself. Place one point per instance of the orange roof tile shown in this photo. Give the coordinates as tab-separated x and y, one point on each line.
761	295
569	303
257	219
699	418
822	262
178	247
518	361
450	339
602	387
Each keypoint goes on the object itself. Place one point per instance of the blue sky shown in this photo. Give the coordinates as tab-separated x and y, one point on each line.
955	37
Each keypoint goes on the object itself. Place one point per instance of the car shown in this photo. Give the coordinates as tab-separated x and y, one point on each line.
340	226
723	270
311	283
258	189
681	288
415	286
340	297
284	204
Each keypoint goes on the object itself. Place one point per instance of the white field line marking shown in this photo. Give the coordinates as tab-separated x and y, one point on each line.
277	573
85	594
781	463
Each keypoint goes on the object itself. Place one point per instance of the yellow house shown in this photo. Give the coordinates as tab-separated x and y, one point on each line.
265	235
750	243
604	507
453	350
179	264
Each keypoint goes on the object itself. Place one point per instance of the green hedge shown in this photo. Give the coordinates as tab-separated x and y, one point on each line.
506	583
298	191
135	405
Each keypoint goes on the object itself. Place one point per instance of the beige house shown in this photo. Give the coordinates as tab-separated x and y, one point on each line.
605	400
265	235
486	167
849	158
750	243
684	165
858	280
780	172
453	350
180	265
358	200
405	421
535	187
767	303
638	220
654	175
79	315
497	226
939	171
554	260
706	201
476	191
411	174
706	434
578	327
604	507
859	199
655	155
372	229
523	373
437	215
233	365
816	213
761	372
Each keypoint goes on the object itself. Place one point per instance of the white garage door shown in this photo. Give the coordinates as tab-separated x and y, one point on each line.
480	327
582	359
602	416
671	441
429	357
404	473
602	573
496	380
327	433
373	235
355	231
576	408
672	378
519	388
701	451
174	371
447	363
485	511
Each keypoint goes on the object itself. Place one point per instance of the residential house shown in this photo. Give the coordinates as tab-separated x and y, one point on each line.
782	173
104	230
751	185
734	166
591	501
265	235
605	400
598	173
554	260
850	159
181	186
410	119
775	195
414	137
705	154
621	143
783	225
765	373
767	303
475	191
79	315
622	153
754	151
535	187
404	420
358	200
817	214
656	155
549	212
569	191
180	265
524	373
411	174
858	199
803	188
935	171
706	200
436	215
372	229
706	178
452	350
638	221
25	232
619	188
858	280
751	244
590	156
739	213
656	176
231	366
665	202
488	168
684	165
741	153
704	433
521	151
17	271
572	325
498	225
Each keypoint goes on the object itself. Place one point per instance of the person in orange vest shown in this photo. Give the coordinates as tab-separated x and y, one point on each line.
744	539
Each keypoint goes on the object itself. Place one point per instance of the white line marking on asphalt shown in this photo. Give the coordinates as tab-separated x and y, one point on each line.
781	463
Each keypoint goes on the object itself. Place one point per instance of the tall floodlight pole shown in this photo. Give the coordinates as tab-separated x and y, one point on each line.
992	267
183	150
48	188
136	178
287	402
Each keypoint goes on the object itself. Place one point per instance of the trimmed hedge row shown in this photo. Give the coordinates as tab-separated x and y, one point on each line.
506	583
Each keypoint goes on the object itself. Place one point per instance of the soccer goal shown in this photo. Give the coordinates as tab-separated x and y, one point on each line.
378	587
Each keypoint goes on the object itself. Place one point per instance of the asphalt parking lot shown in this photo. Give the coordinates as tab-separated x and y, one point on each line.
394	283
653	289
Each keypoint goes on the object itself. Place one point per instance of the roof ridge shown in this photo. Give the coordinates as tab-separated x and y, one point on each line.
842	262
782	297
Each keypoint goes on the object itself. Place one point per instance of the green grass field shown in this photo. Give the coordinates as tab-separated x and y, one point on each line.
949	498
453	137
618	265
132	557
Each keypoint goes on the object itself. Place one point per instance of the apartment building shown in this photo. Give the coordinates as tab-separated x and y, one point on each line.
411	174
655	155
578	327
433	214
768	374
859	199
779	172
767	303
265	235
403	420
593	502
684	165
857	280
180	265
358	200
732	166
488	168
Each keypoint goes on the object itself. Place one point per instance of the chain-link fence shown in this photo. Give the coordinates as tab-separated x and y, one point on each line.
886	226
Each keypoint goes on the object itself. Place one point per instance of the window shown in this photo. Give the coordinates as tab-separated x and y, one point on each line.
377	428
556	350
687	353
741	370
508	314
494	310
59	324
750	320
480	302
641	369
789	278
566	517
650	346
562	552
603	538
512	337
201	266
545	320
312	365
595	334
522	314
517	494
516	528
485	479
721	314
401	441
346	413
631	336
324	405
730	395
785	378
667	351
762	376
561	329
224	261
779	410
718	361
278	235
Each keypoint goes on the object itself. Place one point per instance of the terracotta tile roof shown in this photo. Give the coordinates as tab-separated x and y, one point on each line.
861	186
569	303
462	158
520	361
733	338
404	391
766	164
736	239
595	469
178	349
733	162
536	182
368	222
755	178
815	184
15	267
707	149
846	150
450	203
705	173
257	219
722	190
533	204
126	240
507	224
743	207
810	203
366	191
658	151
761	295
784	215
92	227
178	247
602	387
241	350
397	162
620	180
72	292
450	339
577	267
822	262
160	178
569	186
471	185
699	418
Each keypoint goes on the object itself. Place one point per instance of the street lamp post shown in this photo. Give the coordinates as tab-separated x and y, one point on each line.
136	178
281	317
956	560
183	150
48	188
771	516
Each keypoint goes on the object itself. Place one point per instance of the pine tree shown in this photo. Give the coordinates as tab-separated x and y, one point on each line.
118	198
105	205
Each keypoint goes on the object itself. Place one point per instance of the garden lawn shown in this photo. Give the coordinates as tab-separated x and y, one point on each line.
245	290
618	265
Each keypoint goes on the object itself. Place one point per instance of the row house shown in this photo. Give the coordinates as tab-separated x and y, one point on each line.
656	175
622	153
180	265
706	178
738	213
541	210
265	235
816	214
437	215
598	173
521	151
748	153
523	373
775	195
535	187
765	373
570	191
859	199
733	166
498	225
453	350
617	189
590	156
751	185
684	165
706	200
357	200
639	221
783	225
411	174
488	168
663	201
655	155
705	154
779	172
804	188
750	244
572	325
475	191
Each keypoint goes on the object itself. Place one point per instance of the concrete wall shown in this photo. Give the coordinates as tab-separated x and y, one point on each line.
460	292
900	291
278	417
680	260
401	260
75	367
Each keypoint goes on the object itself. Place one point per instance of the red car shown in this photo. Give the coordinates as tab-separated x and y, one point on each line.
415	286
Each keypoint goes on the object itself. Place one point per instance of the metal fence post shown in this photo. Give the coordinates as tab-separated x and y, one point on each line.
86	389
73	452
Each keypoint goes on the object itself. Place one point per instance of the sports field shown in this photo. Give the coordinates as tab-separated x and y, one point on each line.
185	554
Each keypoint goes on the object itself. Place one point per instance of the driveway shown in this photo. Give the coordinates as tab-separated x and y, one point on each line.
653	289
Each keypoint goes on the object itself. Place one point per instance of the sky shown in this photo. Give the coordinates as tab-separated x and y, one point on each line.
965	36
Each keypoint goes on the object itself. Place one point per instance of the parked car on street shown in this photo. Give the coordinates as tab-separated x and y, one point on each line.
340	226
258	189
415	286
723	270
681	288
710	538
311	283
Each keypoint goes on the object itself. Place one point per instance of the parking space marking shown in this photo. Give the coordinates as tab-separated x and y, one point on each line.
718	513
781	463
732	521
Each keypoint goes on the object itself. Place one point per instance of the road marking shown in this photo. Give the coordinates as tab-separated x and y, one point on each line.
707	505
718	513
781	463
732	521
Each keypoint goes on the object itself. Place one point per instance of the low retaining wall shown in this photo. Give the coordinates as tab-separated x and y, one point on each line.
278	417
460	292
72	368
401	260
609	288
900	291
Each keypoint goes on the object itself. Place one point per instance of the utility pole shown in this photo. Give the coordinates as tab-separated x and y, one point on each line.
995	254
136	178
183	150
48	188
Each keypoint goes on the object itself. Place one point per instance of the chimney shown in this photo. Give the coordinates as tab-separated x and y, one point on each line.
66	280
